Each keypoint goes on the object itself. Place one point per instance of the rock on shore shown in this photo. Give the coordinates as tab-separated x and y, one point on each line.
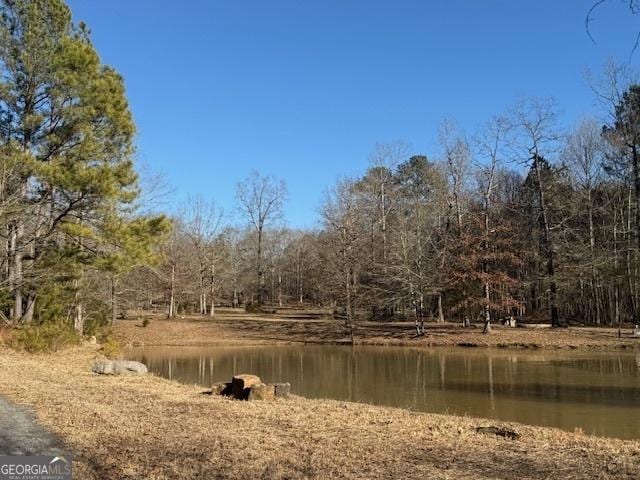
119	367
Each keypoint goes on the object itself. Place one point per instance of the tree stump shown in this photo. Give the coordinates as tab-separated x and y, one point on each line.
241	384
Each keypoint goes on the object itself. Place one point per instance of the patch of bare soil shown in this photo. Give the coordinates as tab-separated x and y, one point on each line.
136	427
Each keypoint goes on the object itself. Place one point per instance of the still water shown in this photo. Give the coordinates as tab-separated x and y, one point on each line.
597	392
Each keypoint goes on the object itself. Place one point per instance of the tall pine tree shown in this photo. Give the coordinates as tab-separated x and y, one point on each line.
66	126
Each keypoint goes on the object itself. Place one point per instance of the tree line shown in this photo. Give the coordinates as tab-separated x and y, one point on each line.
520	218
68	213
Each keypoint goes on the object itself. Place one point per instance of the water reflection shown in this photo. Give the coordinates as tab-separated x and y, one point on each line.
597	392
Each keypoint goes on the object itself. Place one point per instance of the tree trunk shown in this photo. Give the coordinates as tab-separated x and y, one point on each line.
212	310
348	303
17	271
172	294
203	294
592	245
78	319
629	276
548	246
487	326
487	312
635	157
31	307
299	276
114	310
616	315
383	221
260	272
485	266
416	310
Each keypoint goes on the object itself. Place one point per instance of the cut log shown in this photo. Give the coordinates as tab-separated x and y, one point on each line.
241	384
221	388
282	390
262	391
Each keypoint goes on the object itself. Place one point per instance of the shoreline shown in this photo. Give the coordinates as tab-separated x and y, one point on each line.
373	343
235	326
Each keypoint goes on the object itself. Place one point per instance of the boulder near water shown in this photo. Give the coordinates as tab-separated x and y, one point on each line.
119	367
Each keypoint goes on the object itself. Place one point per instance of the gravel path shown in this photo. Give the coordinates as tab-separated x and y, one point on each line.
20	433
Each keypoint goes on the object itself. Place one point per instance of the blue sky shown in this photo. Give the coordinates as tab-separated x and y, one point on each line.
303	89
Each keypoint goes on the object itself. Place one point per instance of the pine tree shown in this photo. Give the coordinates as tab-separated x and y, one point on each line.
66	121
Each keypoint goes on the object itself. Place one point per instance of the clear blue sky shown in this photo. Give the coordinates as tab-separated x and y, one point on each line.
303	89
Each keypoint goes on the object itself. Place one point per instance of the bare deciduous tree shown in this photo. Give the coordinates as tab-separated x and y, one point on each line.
490	143
201	222
261	200
536	122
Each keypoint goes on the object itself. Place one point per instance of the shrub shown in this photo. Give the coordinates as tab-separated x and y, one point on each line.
54	299
253	308
49	337
145	322
103	333
98	317
110	347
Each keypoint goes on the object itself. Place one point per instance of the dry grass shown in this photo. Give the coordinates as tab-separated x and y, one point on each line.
236	327
148	427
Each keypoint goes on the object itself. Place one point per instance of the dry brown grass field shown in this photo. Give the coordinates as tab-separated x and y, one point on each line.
148	427
234	326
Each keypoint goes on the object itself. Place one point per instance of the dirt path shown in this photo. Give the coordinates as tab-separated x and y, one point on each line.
20	434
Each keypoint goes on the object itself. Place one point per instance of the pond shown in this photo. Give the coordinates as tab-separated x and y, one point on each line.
596	392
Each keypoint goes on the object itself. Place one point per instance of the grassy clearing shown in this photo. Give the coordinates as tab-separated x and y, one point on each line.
238	327
148	427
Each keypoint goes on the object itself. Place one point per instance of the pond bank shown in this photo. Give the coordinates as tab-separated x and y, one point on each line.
235	327
595	391
148	427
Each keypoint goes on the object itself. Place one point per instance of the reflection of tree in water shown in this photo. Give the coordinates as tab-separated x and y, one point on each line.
607	365
595	393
